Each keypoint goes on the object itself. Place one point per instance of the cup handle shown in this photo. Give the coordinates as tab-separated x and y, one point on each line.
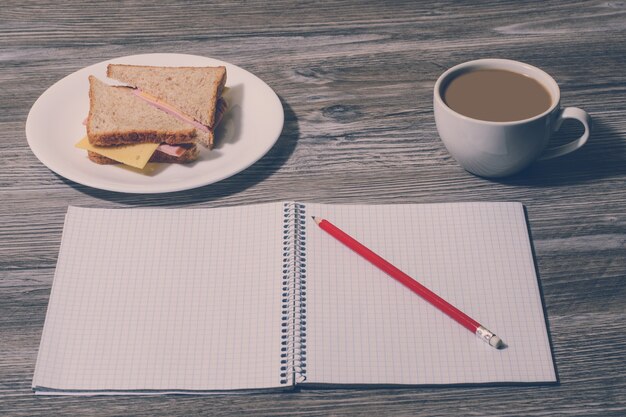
569	113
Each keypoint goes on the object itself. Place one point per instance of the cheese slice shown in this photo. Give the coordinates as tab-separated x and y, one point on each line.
134	155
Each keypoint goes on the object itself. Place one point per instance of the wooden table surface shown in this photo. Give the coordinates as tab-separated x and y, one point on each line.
355	80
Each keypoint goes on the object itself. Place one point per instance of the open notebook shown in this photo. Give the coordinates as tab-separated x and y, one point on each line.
258	297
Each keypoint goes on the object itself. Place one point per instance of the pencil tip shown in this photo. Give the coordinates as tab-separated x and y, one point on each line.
315	219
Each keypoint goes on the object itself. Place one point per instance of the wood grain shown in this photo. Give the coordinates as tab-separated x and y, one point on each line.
355	79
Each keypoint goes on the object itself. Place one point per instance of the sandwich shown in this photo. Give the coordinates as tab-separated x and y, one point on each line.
135	124
124	129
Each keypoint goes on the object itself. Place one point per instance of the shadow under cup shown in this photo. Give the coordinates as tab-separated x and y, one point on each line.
498	149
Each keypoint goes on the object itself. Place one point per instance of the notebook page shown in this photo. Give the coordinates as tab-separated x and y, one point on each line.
163	299
363	327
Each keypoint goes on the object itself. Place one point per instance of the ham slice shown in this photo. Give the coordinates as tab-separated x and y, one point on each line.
171	149
169	109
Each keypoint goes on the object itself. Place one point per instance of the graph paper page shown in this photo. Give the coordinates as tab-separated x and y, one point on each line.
159	299
363	327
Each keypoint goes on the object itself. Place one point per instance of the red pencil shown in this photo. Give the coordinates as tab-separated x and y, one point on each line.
462	318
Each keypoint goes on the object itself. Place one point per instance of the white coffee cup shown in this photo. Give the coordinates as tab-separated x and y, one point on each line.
498	149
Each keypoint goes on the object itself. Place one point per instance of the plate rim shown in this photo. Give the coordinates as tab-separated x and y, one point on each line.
168	187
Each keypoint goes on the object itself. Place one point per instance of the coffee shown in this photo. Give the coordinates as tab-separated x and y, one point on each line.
496	95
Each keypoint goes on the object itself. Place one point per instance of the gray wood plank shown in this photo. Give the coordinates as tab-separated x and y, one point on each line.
356	83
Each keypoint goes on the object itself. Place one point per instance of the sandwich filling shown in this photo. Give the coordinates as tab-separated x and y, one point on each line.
220	110
177	150
174	150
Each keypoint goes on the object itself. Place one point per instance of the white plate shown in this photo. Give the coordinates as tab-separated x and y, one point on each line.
250	128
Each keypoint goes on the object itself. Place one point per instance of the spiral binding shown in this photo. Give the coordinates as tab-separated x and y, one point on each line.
293	300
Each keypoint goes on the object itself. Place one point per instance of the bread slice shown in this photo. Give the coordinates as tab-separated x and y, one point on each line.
194	91
117	117
190	155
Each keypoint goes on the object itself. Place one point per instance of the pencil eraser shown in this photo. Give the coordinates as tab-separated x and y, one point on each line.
496	342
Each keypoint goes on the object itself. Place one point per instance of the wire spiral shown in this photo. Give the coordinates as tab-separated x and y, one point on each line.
293	296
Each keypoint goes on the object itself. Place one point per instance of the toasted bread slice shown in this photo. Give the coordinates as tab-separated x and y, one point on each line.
117	117
190	155
192	90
